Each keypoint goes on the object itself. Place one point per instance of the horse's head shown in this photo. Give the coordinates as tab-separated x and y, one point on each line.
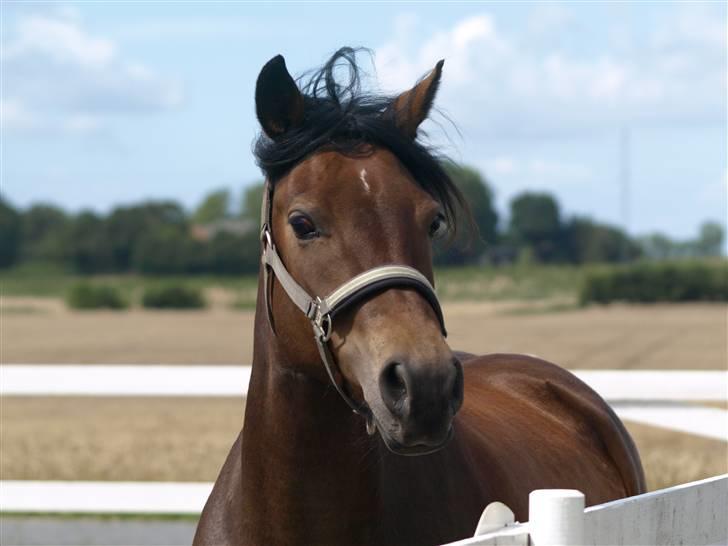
354	190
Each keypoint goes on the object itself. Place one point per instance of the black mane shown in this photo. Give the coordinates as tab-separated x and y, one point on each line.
341	117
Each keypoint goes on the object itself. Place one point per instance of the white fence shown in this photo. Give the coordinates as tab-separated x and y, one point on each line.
694	513
59	497
232	380
654	397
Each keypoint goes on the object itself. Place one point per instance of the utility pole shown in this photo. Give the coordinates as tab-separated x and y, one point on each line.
624	183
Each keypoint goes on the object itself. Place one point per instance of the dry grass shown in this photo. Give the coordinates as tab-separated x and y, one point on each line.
119	438
690	336
670	458
187	439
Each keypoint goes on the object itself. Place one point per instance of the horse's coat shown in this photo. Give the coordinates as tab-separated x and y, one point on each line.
304	470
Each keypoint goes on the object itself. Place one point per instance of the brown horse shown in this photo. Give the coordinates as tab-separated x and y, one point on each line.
350	190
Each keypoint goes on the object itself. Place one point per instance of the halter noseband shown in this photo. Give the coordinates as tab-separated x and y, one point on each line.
321	311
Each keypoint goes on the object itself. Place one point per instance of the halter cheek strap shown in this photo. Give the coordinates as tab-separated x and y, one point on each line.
321	311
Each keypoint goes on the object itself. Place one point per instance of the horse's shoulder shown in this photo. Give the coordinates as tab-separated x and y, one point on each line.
516	369
537	382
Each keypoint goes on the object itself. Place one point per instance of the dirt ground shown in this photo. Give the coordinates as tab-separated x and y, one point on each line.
187	439
690	336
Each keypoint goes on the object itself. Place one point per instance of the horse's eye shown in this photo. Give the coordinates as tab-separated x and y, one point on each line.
303	226
438	227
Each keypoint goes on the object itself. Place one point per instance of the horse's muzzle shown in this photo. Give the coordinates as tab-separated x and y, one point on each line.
420	401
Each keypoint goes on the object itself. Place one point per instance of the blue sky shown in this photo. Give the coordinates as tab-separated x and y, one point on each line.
106	103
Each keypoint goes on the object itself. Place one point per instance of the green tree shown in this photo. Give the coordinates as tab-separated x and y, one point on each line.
657	246
251	202
235	254
126	226
89	248
535	225
588	241
469	245
45	233
710	239
215	206
10	228
167	251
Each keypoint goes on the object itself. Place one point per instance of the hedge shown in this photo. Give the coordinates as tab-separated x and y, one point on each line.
648	282
173	296
94	296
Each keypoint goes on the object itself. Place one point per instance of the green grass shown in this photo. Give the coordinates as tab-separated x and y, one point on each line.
33	280
516	282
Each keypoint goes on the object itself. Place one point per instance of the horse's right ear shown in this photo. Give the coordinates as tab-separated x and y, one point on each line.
278	101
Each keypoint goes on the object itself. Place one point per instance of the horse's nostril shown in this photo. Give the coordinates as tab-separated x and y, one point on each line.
393	386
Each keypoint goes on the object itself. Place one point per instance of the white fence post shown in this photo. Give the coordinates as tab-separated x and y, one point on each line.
556	517
496	516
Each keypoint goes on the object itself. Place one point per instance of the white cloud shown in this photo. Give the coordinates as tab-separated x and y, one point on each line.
60	40
14	115
547	18
397	69
83	124
536	168
502	166
60	77
170	28
498	83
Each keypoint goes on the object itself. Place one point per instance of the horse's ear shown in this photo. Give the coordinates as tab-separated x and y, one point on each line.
278	101
412	107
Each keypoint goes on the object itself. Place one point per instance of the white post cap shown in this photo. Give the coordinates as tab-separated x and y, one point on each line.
556	517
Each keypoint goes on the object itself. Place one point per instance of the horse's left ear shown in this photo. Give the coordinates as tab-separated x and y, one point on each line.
412	107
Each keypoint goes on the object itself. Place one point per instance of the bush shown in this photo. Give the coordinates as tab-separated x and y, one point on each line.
90	296
173	297
10	234
655	282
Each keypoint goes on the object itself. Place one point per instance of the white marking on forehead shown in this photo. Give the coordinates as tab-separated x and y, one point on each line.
363	178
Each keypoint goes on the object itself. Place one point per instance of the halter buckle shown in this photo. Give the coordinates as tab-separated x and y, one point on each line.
321	321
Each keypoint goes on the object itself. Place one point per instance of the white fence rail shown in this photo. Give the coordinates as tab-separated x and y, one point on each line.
59	497
694	513
232	380
653	397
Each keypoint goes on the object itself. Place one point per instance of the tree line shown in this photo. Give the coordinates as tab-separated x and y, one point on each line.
161	237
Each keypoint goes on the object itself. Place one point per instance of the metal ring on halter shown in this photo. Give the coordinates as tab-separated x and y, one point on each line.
265	237
322	327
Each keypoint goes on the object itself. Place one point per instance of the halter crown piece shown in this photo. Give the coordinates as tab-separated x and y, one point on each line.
321	311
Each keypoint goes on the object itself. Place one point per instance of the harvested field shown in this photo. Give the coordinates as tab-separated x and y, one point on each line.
187	439
670	458
117	438
686	336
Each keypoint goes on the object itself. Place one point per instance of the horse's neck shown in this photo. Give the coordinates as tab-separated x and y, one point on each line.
306	457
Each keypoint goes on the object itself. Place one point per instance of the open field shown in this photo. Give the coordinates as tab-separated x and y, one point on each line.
124	438
673	336
183	439
187	439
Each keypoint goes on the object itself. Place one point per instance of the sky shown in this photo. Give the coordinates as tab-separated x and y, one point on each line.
108	103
